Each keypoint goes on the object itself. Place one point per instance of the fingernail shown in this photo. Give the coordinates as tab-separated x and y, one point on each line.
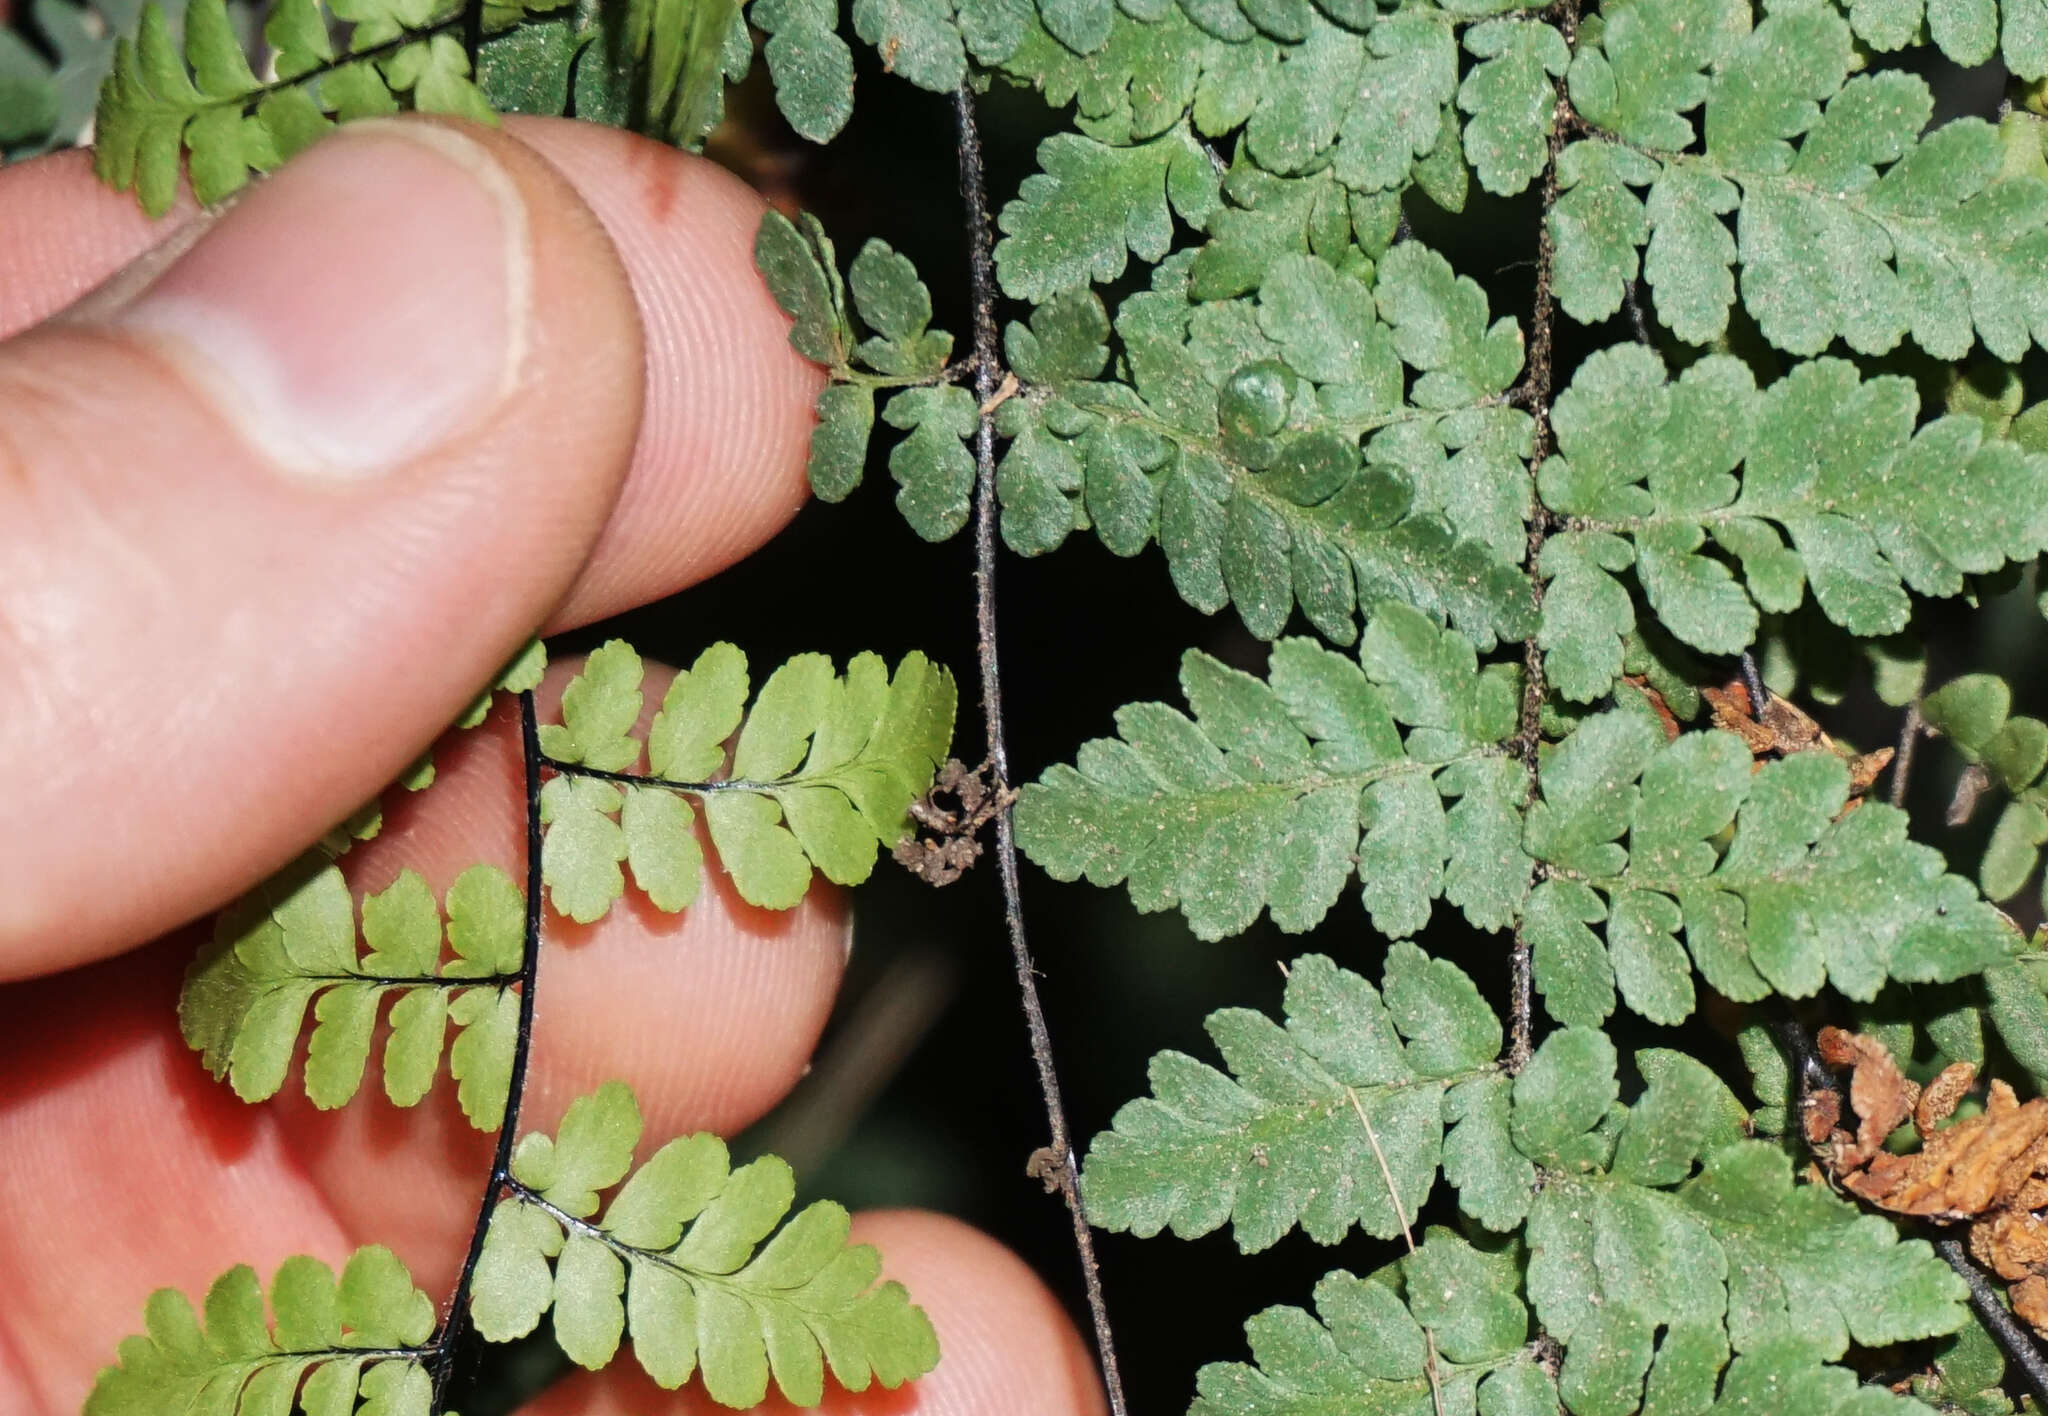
361	308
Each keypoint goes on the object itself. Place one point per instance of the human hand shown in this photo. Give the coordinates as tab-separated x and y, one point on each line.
274	500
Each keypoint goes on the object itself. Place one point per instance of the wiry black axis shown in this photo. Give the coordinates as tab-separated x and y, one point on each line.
456	1327
1061	1171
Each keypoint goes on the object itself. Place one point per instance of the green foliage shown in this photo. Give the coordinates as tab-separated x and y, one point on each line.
1660	1245
1832	463
1975	713
1938	245
1799	894
1491	575
823	772
677	1262
1368	1351
899	356
1286	1142
1277	791
326	1342
159	103
296	942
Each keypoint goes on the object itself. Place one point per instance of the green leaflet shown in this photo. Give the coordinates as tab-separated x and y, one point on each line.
1865	231
1277	790
685	51
1975	713
932	468
295	942
1286	1143
323	1341
159	104
1802	893
811	66
823	773
1650	1287
1829	462
1231	436
676	1261
1073	222
1364	1352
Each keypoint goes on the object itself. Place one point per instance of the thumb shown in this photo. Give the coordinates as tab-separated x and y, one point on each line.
275	501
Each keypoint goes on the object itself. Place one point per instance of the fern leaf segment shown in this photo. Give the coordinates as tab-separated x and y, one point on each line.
823	773
677	1262
295	943
328	1343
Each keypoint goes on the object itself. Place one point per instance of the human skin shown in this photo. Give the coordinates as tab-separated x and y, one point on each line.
271	506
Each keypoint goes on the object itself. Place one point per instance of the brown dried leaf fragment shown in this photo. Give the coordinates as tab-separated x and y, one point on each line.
1821	1113
1878	1092
1730	706
1939	1097
1785	728
947	843
1657	704
1990	1169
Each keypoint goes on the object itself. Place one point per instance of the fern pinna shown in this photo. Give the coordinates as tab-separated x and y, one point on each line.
1543	585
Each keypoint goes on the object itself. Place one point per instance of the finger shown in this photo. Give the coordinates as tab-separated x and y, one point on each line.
711	1015
1005	1346
160	549
64	231
725	392
726	419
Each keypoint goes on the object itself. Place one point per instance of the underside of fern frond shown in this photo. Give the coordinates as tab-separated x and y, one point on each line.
704	1292
823	770
677	1262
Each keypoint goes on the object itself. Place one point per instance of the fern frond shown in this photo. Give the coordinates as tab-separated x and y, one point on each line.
682	53
1830	462
1453	1344
1235	441
1627	1240
823	773
158	105
933	469
1804	892
1866	231
1286	1143
323	1344
295	942
1276	792
682	1241
1232	436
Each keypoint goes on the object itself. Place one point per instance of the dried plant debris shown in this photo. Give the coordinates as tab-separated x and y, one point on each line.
947	843
1989	1170
1783	728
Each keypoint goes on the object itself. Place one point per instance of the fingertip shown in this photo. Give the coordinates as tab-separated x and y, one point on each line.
1006	1345
726	423
64	231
